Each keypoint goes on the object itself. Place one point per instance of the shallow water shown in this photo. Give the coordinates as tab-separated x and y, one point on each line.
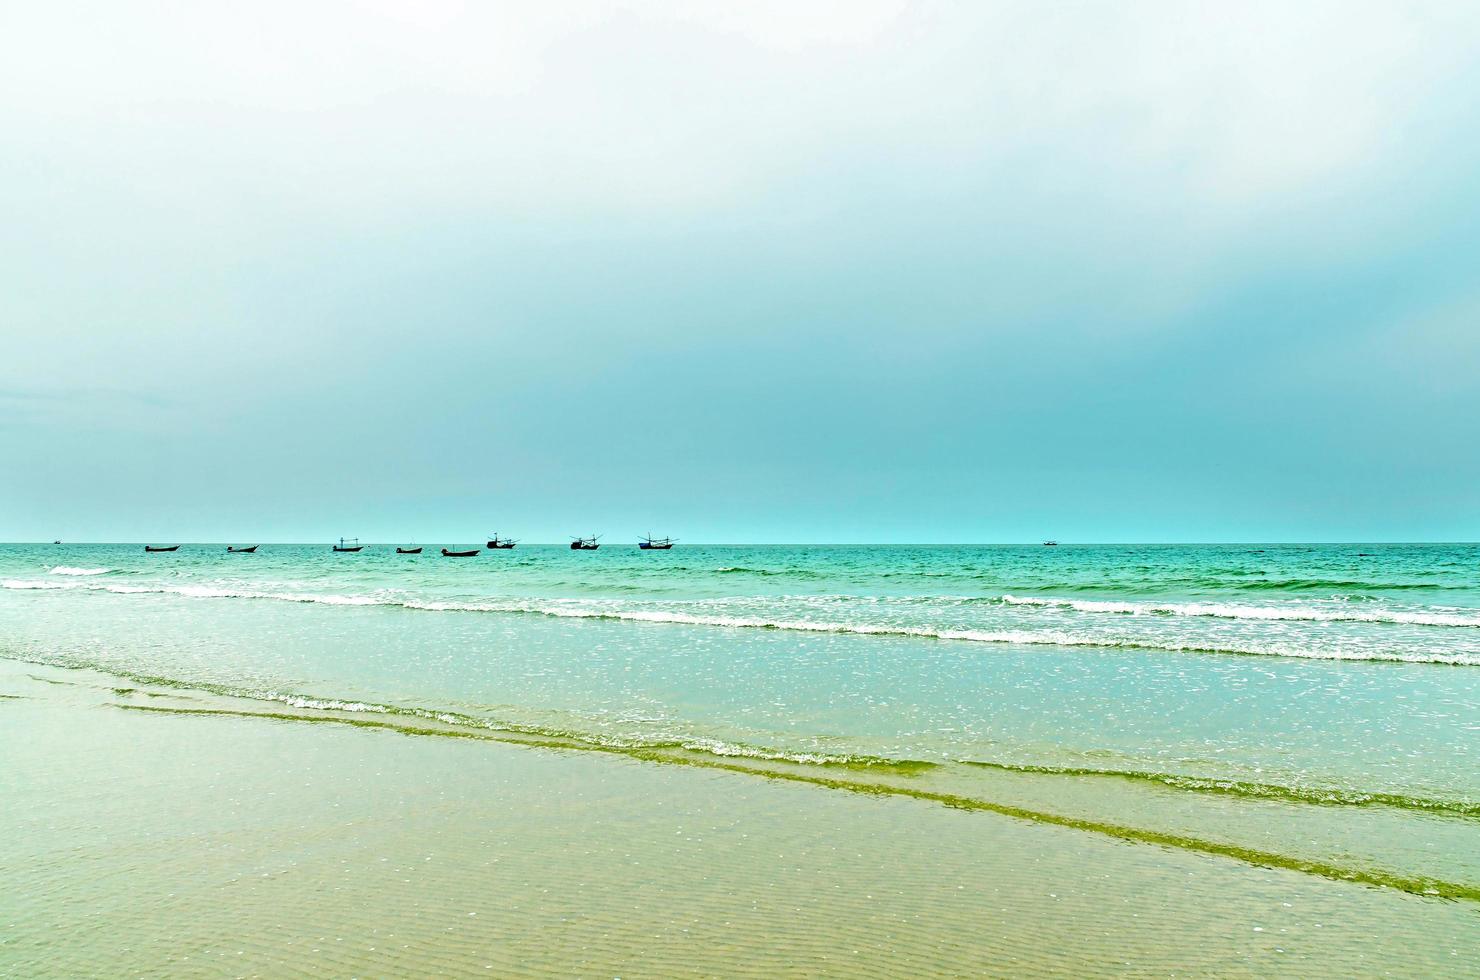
1312	705
148	832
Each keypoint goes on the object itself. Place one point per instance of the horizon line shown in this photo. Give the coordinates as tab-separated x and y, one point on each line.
782	544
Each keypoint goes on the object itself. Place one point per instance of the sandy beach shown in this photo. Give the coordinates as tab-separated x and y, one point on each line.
142	838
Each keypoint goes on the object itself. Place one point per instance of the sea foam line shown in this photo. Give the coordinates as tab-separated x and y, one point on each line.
1292	793
1017	637
1220	610
69	570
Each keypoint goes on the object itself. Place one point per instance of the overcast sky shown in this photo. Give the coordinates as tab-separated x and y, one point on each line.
863	271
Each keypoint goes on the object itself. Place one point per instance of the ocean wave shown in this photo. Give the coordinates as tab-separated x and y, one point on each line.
11	583
796	573
201	592
1012	637
1311	584
1309	794
68	570
318	704
1016	637
1219	610
1152	584
735	750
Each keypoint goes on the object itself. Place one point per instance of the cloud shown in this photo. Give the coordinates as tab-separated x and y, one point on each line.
988	233
640	106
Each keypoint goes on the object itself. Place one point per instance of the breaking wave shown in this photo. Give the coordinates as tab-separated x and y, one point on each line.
1018	637
1220	610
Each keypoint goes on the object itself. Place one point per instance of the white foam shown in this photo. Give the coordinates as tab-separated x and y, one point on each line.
344	600
69	570
323	704
1222	610
1017	637
11	583
714	746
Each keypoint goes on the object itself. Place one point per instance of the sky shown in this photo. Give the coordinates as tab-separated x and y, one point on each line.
740	272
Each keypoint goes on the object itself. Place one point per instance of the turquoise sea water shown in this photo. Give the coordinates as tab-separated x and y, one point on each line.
1315	701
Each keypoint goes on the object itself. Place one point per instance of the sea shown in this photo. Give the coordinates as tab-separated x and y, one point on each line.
1308	707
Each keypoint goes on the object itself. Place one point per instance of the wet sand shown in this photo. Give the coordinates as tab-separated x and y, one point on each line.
151	841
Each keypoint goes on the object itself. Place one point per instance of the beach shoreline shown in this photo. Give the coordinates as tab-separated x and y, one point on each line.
222	844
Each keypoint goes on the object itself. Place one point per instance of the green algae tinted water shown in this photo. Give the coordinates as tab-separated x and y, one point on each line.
1316	705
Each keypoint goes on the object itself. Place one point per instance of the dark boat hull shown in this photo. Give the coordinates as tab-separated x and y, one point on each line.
173	547
584	547
408	551
499	546
243	551
458	554
653	547
337	548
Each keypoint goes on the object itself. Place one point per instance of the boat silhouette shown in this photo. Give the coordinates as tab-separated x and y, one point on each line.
250	550
651	543
458	554
501	543
409	551
585	544
168	547
348	544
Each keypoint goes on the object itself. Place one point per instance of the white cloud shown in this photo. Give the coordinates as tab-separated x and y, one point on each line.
638	105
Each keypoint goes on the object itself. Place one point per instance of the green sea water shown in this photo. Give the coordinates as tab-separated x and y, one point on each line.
1309	707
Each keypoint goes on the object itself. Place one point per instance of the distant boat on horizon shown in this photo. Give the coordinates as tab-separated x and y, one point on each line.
651	543
459	554
409	551
348	544
501	543
1050	544
169	547
585	544
250	550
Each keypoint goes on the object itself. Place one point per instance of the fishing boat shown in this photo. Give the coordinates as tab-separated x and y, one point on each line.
458	554
348	544
585	544
651	543
1050	544
409	551
250	550
501	543
163	547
